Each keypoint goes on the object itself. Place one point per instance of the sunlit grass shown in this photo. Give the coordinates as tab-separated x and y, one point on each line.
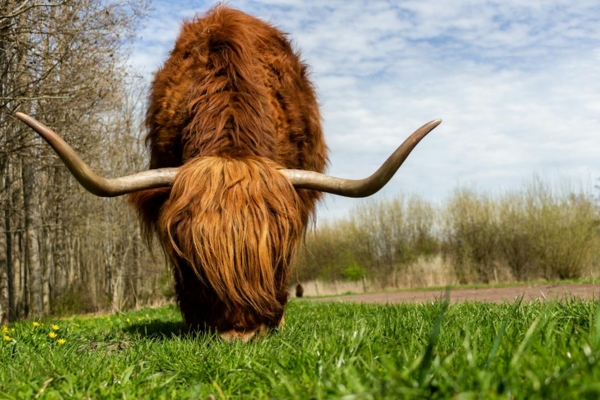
325	350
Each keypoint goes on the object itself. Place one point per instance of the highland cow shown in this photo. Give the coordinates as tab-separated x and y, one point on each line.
236	161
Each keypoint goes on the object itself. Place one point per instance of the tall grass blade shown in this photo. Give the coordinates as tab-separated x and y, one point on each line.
428	355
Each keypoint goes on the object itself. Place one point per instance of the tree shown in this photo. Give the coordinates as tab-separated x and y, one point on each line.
64	63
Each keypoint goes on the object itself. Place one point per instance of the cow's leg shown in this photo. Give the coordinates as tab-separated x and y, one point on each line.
190	292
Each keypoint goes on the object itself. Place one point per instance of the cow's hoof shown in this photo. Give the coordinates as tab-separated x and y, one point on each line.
245	336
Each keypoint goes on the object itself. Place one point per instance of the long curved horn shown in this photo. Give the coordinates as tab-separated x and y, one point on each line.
95	184
164	177
362	187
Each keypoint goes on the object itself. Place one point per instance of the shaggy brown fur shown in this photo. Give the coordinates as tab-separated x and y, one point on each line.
232	104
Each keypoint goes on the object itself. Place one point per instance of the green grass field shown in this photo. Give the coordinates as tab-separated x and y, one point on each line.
326	350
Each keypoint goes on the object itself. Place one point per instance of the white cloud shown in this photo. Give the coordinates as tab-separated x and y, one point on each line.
516	83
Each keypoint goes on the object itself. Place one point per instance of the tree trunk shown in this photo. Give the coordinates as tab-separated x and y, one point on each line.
48	267
4	287
32	227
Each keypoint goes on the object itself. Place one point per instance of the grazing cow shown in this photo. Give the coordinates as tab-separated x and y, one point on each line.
236	161
299	290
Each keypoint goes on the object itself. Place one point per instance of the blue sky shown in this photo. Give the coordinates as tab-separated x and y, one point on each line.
517	84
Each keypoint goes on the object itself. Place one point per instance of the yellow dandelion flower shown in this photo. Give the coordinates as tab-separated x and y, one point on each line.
55	327
36	324
7	338
52	335
128	320
4	328
61	341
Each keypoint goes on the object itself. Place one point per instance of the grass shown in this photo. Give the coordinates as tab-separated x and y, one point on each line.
326	350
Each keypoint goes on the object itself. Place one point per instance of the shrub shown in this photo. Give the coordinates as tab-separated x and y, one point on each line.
470	231
353	272
563	226
537	232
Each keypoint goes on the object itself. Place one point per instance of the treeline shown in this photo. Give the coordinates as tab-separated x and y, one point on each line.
62	249
540	232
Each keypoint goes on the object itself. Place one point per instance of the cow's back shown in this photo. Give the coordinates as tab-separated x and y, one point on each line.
233	86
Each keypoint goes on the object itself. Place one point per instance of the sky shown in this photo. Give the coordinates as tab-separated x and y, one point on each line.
516	83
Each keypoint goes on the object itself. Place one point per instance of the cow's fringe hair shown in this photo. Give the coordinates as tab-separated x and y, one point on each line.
236	223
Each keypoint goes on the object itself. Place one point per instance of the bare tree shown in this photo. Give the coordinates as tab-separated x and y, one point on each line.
61	249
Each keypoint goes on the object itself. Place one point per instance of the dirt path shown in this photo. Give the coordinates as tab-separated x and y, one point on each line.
495	295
